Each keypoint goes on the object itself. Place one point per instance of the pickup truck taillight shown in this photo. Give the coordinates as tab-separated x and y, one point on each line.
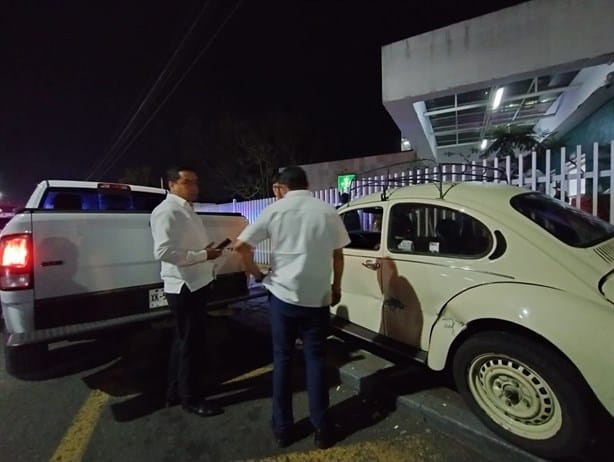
16	262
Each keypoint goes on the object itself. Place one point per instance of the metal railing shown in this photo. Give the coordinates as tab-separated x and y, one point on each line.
568	183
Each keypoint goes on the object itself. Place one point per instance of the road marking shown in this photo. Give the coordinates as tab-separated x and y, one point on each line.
75	440
248	375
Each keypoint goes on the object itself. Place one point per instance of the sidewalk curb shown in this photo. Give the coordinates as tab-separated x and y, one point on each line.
440	407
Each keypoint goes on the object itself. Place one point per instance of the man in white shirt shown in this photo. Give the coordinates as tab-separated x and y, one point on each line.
307	237
278	189
182	245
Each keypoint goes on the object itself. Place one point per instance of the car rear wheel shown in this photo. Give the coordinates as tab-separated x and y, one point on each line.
524	391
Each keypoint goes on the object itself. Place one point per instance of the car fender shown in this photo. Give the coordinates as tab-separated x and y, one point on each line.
565	320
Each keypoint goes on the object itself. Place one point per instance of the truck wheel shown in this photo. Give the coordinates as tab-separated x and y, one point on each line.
524	391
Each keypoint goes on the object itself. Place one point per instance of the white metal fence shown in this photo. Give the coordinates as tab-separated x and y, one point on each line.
568	182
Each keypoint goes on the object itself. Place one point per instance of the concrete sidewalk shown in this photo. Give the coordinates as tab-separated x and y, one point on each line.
419	390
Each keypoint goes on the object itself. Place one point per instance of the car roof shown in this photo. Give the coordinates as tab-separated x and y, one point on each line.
465	192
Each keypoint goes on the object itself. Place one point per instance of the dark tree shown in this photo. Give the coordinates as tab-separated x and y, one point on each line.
239	155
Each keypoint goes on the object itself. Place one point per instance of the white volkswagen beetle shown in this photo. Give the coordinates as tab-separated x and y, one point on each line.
511	289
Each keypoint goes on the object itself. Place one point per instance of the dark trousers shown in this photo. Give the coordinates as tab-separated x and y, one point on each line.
187	349
288	322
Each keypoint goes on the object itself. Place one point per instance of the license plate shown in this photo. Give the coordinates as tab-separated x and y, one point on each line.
157	298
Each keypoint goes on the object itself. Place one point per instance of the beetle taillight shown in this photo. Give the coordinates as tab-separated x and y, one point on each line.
16	262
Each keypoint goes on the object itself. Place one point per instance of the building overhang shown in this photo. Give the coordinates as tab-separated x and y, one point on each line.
552	58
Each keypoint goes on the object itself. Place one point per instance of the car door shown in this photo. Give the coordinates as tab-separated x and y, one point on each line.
361	284
432	252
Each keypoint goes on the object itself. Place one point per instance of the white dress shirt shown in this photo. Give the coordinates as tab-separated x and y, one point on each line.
304	231
180	239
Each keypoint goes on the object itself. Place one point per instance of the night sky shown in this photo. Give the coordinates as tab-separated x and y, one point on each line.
73	74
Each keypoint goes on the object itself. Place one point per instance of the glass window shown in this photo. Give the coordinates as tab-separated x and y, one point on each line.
94	200
433	230
70	199
566	223
146	202
364	227
115	200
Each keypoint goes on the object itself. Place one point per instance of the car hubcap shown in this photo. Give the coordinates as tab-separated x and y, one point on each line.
514	396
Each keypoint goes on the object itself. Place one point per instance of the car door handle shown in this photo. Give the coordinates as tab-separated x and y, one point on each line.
372	265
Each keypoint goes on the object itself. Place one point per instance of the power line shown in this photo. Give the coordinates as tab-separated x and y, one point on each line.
161	80
148	121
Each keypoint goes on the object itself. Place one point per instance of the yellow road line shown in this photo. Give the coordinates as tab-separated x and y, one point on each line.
75	440
250	374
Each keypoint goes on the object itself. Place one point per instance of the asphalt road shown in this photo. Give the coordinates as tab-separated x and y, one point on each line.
103	400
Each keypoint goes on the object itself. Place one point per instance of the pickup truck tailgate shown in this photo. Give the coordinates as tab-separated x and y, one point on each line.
79	253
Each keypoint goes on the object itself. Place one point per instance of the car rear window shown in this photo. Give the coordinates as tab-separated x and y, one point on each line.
96	200
568	224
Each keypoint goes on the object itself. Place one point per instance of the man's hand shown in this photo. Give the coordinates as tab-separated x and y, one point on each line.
261	276
212	252
247	257
335	295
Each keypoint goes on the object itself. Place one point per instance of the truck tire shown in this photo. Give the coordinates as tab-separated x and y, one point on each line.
525	391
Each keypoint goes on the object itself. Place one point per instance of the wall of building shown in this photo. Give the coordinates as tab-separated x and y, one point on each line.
598	127
324	174
533	36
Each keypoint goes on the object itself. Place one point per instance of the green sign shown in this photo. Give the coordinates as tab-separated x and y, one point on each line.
344	182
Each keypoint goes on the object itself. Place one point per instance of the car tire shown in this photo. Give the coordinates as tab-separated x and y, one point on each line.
525	391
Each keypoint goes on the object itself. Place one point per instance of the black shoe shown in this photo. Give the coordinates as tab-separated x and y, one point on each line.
322	438
283	439
203	409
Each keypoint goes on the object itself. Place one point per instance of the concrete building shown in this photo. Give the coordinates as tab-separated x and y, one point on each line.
548	62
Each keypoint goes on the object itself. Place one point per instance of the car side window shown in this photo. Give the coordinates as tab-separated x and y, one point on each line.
434	230
364	227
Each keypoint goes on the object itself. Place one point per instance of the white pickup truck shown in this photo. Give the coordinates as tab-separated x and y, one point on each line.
78	259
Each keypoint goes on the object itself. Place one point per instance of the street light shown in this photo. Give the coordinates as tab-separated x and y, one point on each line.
498	96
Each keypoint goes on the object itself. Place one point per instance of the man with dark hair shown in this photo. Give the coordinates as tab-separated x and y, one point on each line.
278	189
307	237
182	245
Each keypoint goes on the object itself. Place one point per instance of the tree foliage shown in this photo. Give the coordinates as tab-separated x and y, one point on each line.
239	155
138	175
513	141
